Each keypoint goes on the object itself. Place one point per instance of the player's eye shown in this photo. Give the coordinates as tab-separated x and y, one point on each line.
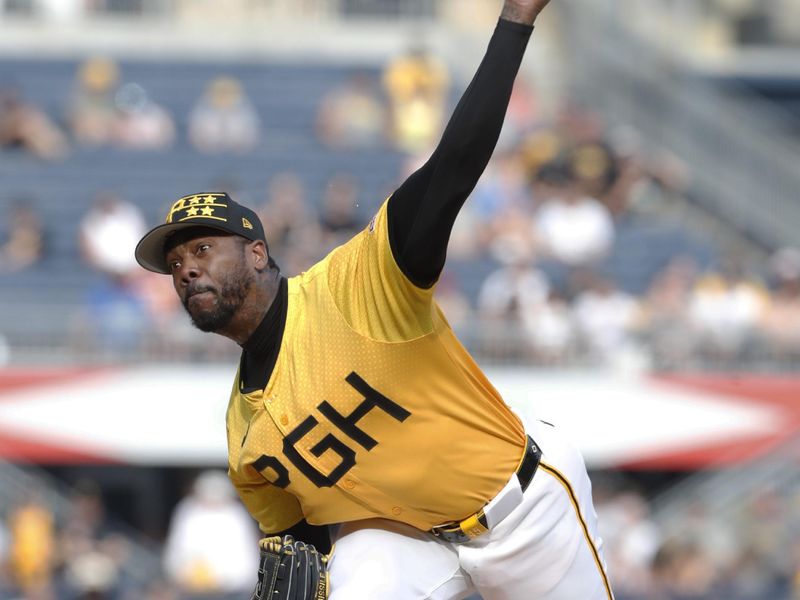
202	248
174	265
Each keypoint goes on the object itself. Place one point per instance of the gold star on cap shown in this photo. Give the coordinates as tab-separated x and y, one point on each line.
189	207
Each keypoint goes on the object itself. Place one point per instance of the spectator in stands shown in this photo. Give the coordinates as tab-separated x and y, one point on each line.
498	214
109	232
141	124
285	208
23	243
511	289
550	331
508	292
339	218
212	544
91	574
538	148
768	527
25	127
577	123
725	309
115	317
754	575
32	544
780	324
632	540
594	167
511	233
353	115
570	227
607	318
417	85
644	183
668	329
116	313
223	119
291	225
469	238
681	570
92	553
498	218
784	265
503	184
156	307
92	112
86	513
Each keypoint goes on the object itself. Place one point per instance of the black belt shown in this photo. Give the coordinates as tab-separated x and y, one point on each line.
459	532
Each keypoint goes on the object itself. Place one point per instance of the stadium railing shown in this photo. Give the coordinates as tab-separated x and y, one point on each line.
743	164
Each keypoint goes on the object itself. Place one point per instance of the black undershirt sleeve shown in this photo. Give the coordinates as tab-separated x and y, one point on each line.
421	212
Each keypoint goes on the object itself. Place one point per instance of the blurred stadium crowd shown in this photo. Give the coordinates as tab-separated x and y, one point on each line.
578	246
209	550
581	246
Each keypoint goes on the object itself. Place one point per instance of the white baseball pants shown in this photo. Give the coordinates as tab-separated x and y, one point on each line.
546	549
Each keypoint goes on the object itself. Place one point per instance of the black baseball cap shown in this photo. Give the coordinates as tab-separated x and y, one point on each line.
216	210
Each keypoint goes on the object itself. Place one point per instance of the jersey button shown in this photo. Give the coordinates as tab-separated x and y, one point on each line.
284	420
397	511
349	484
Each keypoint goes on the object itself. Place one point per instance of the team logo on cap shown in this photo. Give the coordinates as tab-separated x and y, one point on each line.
203	206
246	224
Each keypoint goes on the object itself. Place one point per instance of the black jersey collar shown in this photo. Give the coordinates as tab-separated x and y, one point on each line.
260	351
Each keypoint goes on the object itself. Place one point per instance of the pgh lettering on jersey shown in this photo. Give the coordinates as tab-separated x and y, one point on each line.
348	426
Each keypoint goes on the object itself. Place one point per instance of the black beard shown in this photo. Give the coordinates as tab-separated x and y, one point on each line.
229	298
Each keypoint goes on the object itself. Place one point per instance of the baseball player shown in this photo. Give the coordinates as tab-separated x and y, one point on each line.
356	407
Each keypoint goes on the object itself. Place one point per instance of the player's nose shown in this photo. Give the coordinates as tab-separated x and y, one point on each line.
188	271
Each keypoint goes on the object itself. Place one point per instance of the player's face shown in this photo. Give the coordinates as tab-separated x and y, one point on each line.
212	278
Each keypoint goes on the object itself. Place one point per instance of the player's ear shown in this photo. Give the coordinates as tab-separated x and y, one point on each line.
257	254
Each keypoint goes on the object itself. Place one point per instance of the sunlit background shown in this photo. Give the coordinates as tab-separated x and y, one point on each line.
628	267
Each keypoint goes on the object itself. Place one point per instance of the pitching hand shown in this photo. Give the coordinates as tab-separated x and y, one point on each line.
523	11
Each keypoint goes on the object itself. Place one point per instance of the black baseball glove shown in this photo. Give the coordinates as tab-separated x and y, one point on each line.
290	570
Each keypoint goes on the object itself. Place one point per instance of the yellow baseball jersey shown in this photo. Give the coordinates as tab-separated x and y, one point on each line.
373	409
